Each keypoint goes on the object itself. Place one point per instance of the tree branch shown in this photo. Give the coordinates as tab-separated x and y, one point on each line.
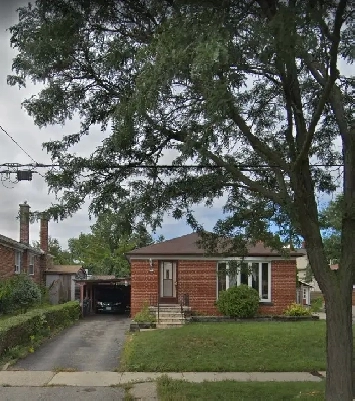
252	185
328	85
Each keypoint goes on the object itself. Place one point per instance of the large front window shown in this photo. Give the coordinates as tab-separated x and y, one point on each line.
254	274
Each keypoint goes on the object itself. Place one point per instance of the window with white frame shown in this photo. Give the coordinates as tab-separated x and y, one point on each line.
254	274
31	265
18	257
304	293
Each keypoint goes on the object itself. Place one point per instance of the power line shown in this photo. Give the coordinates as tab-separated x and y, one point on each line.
157	166
16	143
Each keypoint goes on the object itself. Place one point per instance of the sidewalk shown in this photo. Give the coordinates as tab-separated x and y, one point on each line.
108	379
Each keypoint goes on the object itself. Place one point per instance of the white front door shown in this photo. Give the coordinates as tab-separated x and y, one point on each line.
168	281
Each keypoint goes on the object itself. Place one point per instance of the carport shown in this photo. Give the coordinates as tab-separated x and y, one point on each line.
91	287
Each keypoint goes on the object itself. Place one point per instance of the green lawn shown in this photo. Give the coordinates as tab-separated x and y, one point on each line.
174	390
229	347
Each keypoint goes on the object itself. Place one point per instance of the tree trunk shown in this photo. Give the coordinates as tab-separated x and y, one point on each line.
339	343
335	285
347	262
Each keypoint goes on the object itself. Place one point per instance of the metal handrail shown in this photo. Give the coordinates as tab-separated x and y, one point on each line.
158	310
184	301
154	301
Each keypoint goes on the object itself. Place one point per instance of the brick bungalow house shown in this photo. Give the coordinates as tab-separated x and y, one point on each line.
177	269
19	256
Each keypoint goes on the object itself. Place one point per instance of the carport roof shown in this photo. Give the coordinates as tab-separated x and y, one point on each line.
102	280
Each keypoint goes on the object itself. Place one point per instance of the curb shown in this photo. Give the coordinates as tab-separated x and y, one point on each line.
109	379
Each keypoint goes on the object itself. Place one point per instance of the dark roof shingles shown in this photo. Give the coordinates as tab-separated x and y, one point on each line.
188	245
18	245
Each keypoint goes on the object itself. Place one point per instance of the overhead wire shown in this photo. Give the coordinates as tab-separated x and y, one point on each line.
160	166
35	165
23	150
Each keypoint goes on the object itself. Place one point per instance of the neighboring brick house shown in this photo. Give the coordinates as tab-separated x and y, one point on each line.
178	269
18	256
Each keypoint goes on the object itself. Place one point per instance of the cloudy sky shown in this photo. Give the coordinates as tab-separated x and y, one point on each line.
20	126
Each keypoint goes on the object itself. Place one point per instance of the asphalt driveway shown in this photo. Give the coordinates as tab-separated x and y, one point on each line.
93	344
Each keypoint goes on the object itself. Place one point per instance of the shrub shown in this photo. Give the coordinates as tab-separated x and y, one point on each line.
297	310
240	302
44	294
317	304
144	315
18	293
26	293
21	330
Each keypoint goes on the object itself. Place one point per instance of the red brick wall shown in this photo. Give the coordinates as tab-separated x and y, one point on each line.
198	279
37	277
144	283
283	287
43	234
7	261
25	223
7	264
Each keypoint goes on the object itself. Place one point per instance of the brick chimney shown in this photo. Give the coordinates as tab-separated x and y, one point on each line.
25	223
44	234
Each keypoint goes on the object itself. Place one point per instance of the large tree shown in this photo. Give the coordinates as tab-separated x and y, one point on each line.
103	250
331	221
251	90
60	256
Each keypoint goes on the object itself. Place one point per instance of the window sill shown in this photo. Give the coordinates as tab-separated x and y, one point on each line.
266	303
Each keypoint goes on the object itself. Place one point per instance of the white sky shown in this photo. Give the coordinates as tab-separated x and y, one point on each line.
21	127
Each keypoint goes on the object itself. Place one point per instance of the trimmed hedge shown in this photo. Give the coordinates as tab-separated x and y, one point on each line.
21	329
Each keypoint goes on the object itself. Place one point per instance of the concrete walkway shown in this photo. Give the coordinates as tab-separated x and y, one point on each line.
108	379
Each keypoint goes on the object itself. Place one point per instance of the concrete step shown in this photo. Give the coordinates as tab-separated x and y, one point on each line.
168	326
174	314
172	321
171	307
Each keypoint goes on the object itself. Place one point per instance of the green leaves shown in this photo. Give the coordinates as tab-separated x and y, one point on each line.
61	256
196	84
18	293
239	302
331	222
103	250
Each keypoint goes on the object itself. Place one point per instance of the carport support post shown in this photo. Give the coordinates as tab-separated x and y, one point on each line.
82	298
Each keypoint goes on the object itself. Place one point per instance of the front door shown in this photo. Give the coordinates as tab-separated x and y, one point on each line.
168	282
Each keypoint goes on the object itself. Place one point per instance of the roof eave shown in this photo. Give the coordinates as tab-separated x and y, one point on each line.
217	255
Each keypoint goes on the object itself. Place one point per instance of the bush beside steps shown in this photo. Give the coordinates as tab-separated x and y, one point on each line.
26	329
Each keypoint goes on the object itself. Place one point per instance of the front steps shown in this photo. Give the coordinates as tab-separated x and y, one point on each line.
170	316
